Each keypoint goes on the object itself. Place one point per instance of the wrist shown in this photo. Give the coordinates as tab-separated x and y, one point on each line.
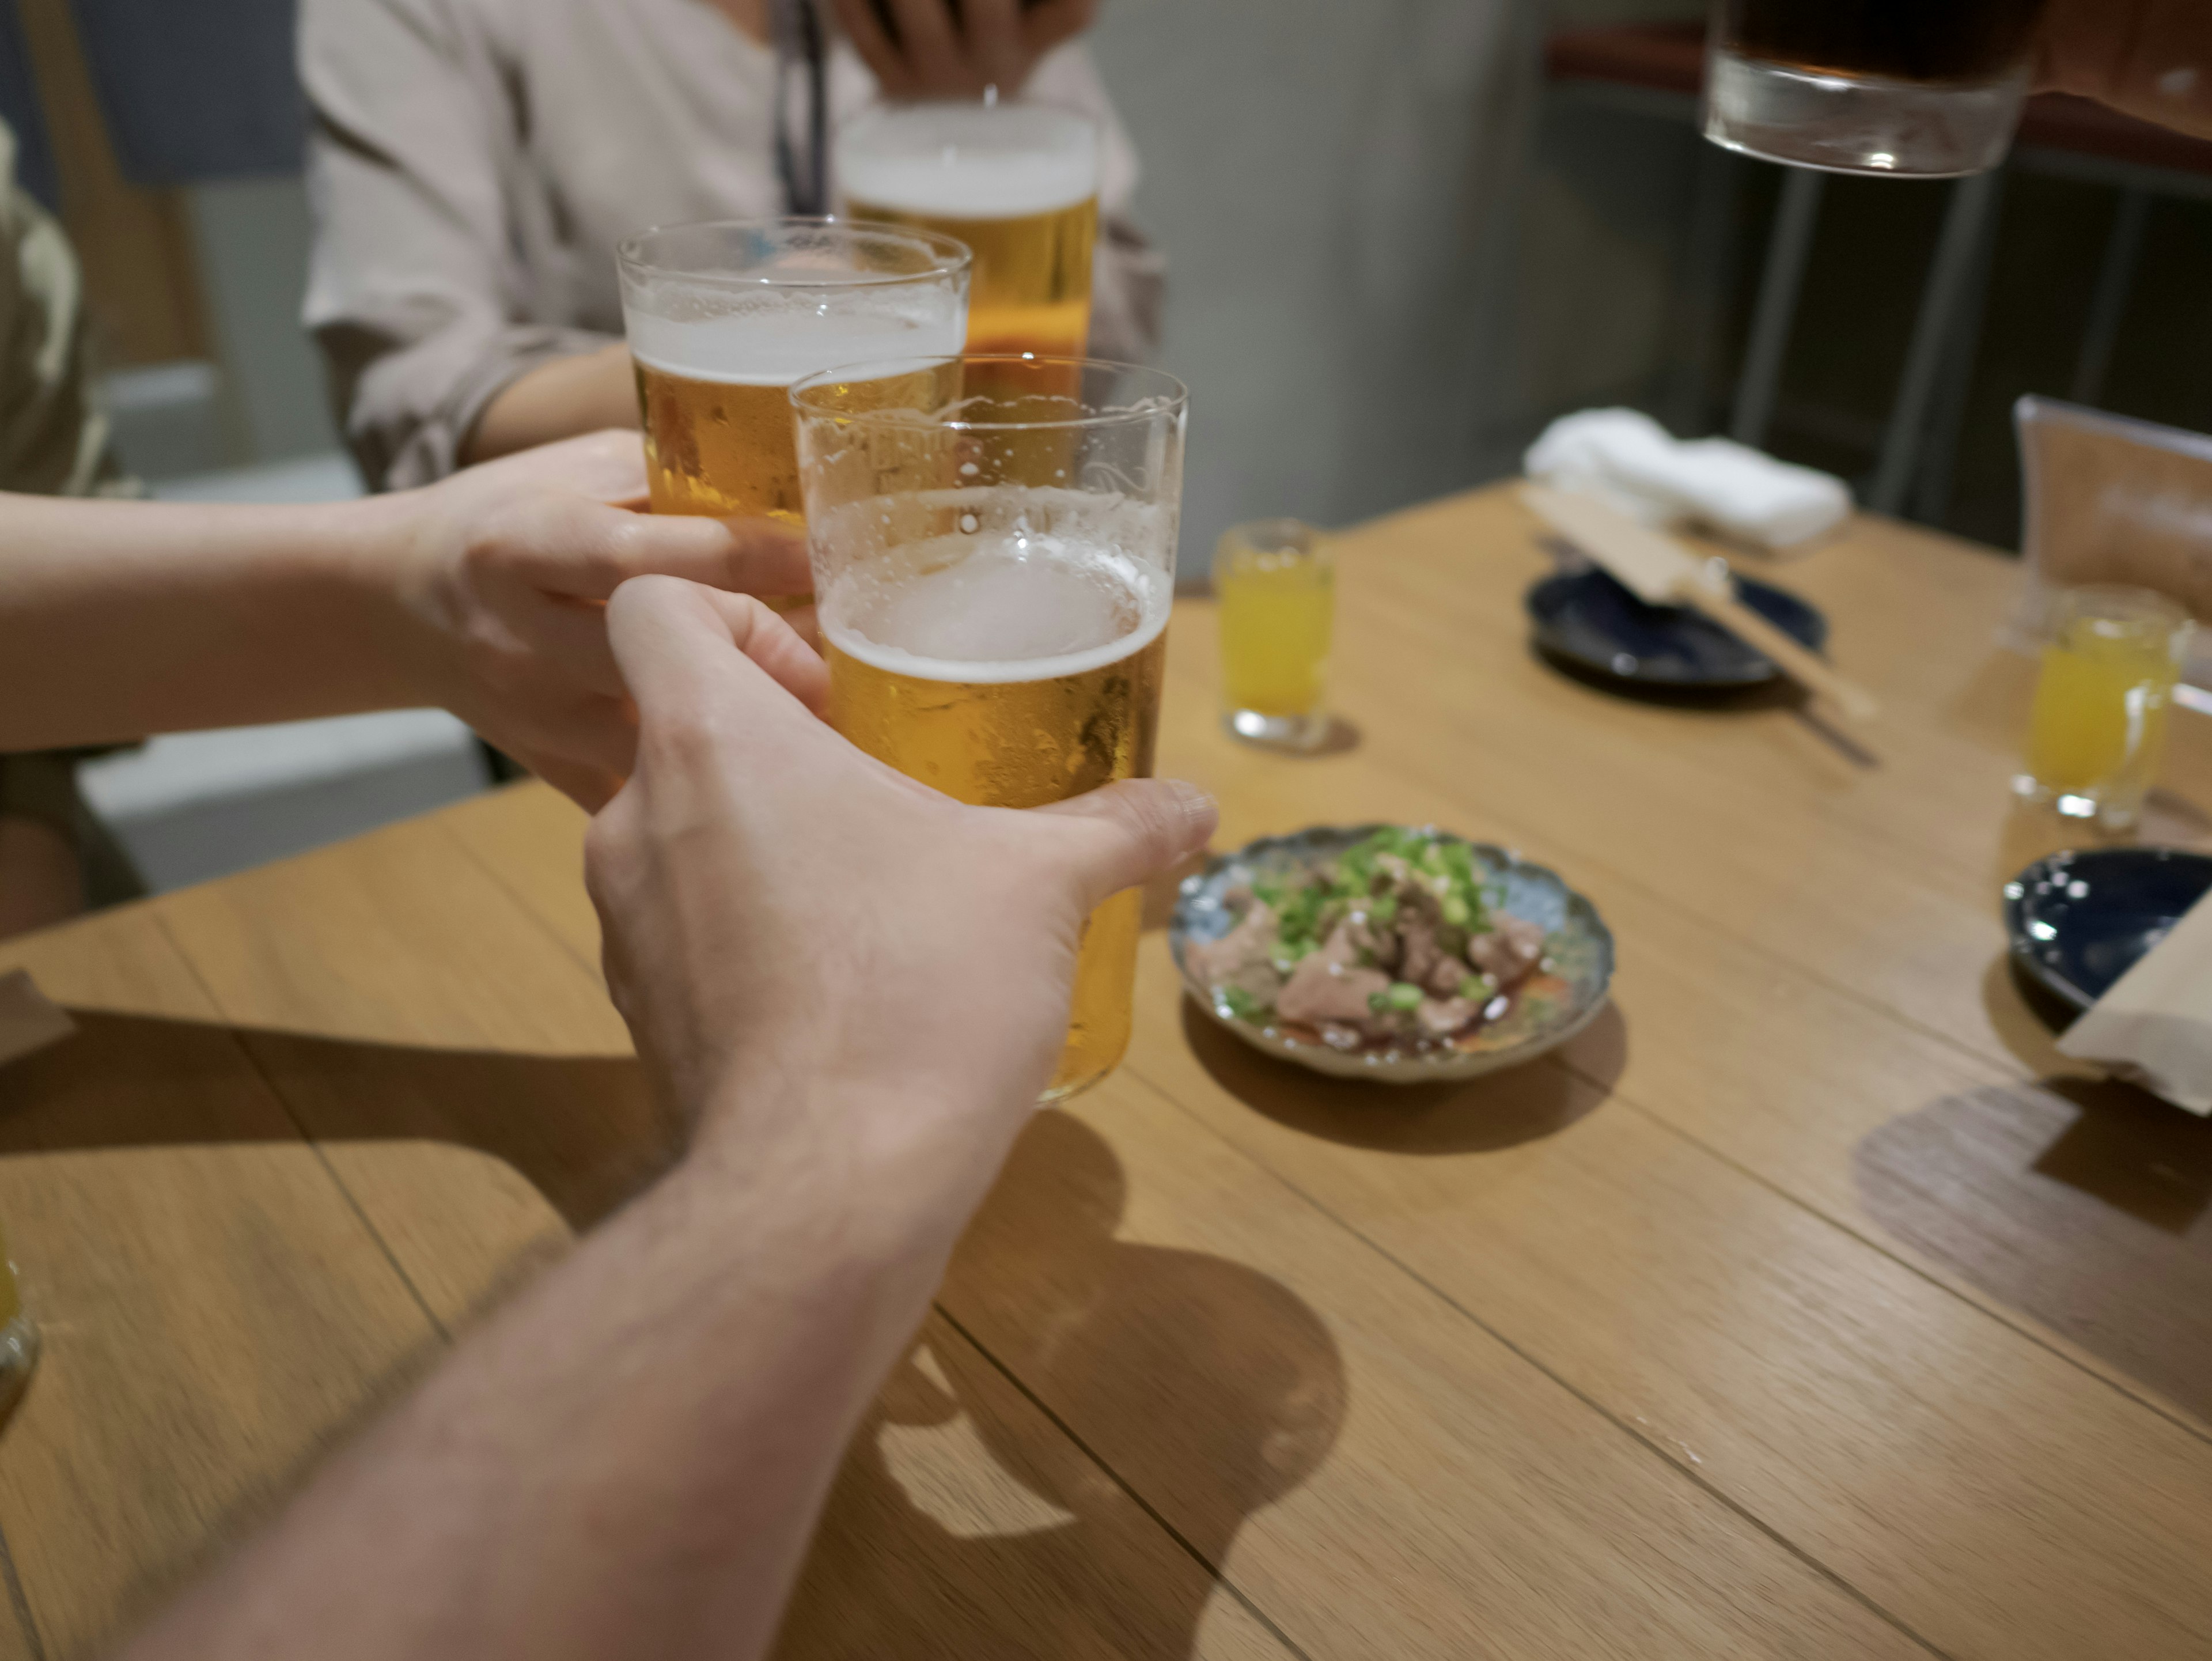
876	1176
378	552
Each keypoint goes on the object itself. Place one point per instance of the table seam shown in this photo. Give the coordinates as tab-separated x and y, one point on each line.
538	920
322	1156
1718	1495
1213	1571
1997	1314
20	1601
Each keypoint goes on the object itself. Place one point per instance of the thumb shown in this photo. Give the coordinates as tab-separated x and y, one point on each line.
1128	833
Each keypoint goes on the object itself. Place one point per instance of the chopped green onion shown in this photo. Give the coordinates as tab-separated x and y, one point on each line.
1242	1004
1402	996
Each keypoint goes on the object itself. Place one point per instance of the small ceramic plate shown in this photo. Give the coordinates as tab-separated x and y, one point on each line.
1577	973
2080	921
1595	624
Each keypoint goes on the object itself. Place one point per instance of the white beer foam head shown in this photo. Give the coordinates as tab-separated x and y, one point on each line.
1002	609
969	161
774	344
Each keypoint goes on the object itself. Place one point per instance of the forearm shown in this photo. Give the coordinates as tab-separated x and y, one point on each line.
119	619
567	397
628	1462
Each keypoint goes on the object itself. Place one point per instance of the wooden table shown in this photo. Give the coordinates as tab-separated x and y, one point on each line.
1807	1305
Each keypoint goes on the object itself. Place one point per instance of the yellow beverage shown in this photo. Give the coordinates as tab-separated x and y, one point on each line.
2098	728
1031	289
719	447
1277	610
1067	700
1017	182
722	319
1274	583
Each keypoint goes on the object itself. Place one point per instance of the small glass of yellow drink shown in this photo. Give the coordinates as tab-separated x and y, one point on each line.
2098	725
1275	583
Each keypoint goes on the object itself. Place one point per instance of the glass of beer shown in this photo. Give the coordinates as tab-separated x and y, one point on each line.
1916	88
1274	585
993	574
723	318
1017	182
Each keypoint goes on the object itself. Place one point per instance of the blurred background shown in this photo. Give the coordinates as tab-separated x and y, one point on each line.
1402	236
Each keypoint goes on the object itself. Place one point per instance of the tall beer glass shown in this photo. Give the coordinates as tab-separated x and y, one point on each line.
995	634
1017	182
723	318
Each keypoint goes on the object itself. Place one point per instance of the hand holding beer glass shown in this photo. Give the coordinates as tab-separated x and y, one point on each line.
993	574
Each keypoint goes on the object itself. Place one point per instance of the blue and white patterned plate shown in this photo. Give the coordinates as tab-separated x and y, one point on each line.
1562	1000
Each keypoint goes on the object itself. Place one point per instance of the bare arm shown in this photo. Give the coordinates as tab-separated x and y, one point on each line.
482	595
557	401
2152	58
859	987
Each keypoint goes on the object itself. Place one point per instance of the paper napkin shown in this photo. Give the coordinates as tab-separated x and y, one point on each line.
27	1020
2154	1026
1631	463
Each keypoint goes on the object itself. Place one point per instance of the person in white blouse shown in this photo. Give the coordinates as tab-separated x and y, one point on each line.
472	165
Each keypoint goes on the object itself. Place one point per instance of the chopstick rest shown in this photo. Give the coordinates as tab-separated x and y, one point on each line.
2154	1026
29	1021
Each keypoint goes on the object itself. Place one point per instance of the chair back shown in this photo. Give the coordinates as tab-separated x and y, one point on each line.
2109	499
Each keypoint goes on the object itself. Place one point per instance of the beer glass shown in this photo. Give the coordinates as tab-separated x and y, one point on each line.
1017	182
723	318
1916	88
996	627
1274	585
2099	726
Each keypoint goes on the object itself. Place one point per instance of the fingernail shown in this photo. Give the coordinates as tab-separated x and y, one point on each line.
1199	807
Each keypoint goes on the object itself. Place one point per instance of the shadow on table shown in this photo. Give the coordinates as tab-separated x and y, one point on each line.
2085	1204
585	1132
1204	1385
1200	1384
1478	1115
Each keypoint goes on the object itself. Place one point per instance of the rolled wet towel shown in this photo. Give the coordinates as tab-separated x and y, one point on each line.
1628	460
2154	1026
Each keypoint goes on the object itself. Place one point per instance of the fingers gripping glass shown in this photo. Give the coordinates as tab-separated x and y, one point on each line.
993	544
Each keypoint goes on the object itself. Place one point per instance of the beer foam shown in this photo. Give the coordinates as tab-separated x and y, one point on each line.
1003	608
774	345
969	161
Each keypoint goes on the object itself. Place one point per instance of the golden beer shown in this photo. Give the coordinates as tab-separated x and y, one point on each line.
1017	182
722	319
1069	702
1032	285
722	447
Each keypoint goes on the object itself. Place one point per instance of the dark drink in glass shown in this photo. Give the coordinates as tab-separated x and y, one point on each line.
1925	88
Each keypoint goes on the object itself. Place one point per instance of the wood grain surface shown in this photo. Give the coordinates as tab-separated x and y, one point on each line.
1809	1305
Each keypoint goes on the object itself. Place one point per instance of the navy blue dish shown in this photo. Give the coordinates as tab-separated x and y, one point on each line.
1590	621
2080	921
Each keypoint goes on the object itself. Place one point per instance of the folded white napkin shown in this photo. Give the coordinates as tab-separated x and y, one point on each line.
1629	461
2155	1025
28	1021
